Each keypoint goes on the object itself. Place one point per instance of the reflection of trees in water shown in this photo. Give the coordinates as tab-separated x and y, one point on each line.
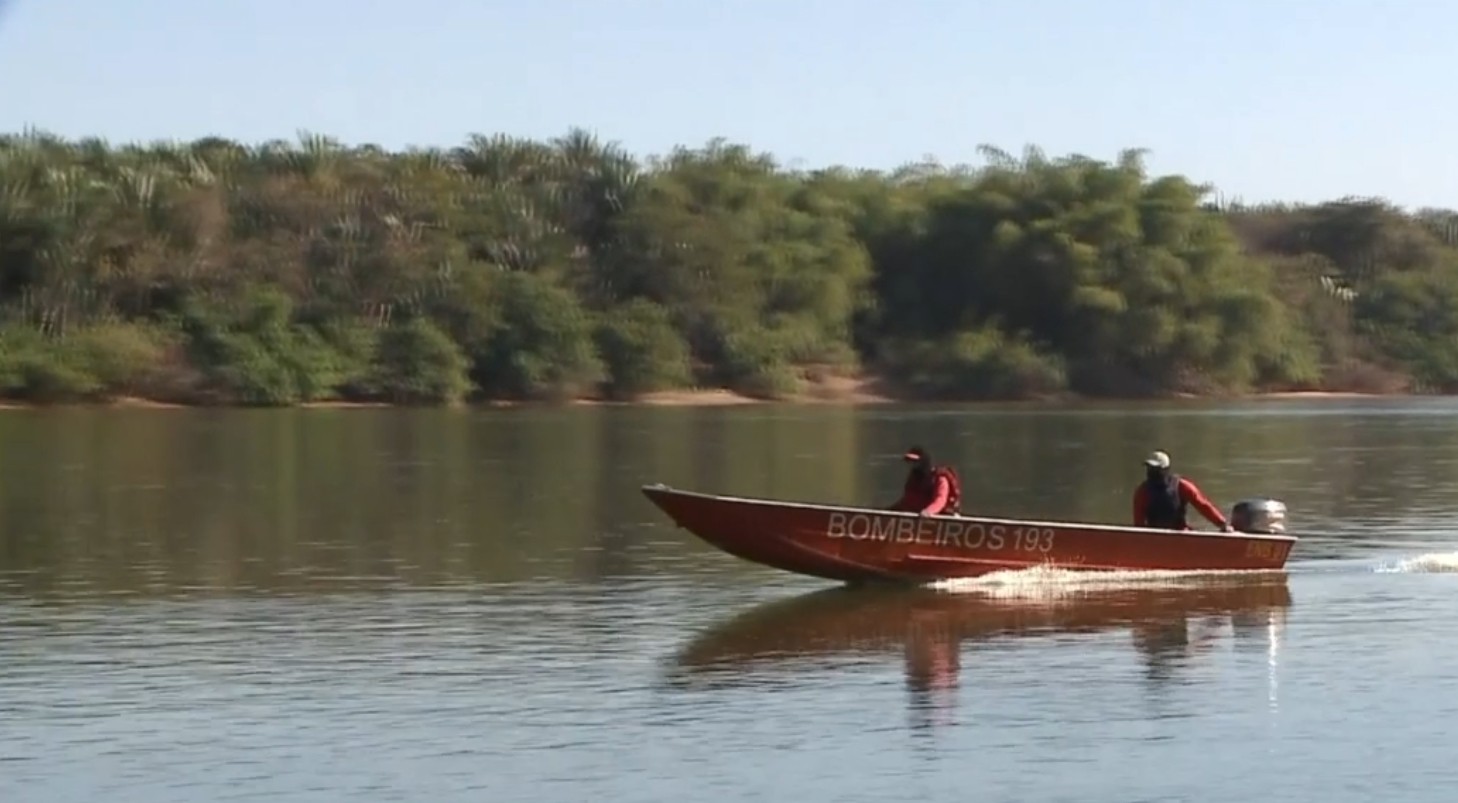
797	639
143	501
1084	465
1337	472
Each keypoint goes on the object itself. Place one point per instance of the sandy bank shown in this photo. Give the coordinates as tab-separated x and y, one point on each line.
861	390
835	390
1327	394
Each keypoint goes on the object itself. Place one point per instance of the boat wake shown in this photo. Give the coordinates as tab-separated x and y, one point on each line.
1041	582
1431	563
1044	582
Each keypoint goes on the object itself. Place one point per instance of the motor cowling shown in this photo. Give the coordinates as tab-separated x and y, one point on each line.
1260	516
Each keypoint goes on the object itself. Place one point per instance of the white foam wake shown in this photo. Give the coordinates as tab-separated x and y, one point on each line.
1044	582
1431	563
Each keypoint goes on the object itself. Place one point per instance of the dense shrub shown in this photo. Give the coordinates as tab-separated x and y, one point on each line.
506	268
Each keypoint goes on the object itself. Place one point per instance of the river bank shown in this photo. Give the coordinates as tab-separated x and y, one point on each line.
567	280
839	391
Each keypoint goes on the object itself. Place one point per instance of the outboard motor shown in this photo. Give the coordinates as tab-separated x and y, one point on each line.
1261	516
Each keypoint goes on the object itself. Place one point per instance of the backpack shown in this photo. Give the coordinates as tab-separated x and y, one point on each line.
1167	510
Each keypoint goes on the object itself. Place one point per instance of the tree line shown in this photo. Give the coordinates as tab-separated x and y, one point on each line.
506	268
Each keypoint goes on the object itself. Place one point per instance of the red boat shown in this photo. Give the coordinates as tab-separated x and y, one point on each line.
853	544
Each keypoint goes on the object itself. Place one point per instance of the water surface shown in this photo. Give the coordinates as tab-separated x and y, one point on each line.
324	605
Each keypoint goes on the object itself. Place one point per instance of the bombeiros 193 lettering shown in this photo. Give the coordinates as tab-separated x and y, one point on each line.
939	532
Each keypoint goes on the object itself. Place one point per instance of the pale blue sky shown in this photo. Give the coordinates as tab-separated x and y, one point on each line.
1280	99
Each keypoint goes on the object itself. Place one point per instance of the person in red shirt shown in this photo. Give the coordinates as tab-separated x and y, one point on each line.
930	489
1162	499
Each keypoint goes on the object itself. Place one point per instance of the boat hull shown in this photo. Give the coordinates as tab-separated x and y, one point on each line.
850	544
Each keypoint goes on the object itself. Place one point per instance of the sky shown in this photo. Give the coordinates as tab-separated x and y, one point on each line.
1273	100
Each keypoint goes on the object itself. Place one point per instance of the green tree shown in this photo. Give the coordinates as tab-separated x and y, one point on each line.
641	350
308	269
420	364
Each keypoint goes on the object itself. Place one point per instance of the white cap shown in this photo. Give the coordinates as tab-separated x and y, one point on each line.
1157	460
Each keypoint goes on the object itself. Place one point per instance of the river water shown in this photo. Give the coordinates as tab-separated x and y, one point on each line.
380	605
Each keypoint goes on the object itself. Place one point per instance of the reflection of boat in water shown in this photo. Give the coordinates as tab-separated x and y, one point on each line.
825	628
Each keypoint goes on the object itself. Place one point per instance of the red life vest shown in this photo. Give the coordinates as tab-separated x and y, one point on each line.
926	491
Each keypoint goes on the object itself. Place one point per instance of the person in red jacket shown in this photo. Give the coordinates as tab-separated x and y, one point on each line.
930	489
1162	499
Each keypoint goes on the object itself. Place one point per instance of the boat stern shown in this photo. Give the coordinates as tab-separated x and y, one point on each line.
1259	516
